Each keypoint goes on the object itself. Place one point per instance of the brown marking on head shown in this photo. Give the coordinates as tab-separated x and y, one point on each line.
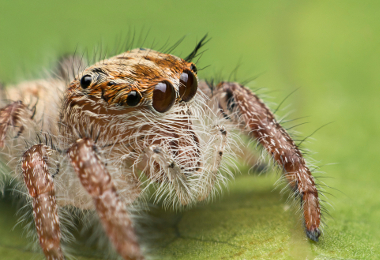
112	80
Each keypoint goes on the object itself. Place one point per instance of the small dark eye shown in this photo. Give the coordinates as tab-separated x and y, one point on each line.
133	98
188	85
194	68
163	96
85	81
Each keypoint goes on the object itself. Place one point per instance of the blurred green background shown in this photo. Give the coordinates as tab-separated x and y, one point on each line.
330	50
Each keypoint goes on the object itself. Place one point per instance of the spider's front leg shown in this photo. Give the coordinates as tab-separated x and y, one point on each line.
255	118
97	181
41	188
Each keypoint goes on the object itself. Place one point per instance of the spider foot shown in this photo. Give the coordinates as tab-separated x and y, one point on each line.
313	234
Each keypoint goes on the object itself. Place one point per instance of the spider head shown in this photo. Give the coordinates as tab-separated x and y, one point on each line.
144	104
141	79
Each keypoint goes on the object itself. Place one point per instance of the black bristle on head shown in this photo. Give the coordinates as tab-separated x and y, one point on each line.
51	142
199	45
175	45
97	137
39	139
77	132
91	131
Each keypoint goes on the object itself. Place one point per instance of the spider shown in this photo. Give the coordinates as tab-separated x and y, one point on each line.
100	136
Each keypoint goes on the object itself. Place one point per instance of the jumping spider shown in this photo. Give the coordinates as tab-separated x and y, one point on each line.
148	117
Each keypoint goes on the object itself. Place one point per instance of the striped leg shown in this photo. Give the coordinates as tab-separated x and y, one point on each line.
251	114
98	183
41	188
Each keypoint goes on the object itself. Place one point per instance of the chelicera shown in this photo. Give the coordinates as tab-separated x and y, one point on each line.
147	114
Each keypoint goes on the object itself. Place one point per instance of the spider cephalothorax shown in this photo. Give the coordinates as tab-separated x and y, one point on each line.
148	117
142	106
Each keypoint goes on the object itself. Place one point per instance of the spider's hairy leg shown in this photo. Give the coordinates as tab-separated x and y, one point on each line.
12	115
98	183
255	118
209	179
40	186
158	156
245	153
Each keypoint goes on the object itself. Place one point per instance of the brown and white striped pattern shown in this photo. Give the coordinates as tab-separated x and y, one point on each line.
41	188
111	210
255	117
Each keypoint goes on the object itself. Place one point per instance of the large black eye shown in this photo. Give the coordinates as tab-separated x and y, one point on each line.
85	81
188	85
163	96
133	98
